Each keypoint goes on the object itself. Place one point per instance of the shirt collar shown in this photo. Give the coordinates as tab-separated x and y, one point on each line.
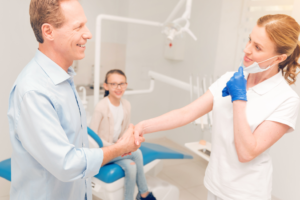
54	71
268	84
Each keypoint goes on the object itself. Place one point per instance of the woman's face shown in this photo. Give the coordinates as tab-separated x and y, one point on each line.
260	48
116	85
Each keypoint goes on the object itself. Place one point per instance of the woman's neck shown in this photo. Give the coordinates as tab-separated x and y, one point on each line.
114	101
254	79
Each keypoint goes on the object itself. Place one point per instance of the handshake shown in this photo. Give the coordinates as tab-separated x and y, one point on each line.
131	140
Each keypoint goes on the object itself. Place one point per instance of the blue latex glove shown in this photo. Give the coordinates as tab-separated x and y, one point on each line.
236	87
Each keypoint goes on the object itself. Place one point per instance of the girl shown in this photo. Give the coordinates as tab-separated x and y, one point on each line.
250	113
110	120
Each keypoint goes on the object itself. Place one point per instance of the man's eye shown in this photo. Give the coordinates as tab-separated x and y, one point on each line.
113	84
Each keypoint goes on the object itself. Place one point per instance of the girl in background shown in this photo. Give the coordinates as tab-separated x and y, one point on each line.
110	120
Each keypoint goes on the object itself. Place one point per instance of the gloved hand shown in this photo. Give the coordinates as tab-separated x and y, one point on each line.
236	87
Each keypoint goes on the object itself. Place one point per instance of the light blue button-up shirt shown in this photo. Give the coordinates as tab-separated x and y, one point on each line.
51	159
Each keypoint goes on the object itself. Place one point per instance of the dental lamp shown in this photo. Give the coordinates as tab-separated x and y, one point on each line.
179	25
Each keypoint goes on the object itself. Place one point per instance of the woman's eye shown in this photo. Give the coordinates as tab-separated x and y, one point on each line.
257	48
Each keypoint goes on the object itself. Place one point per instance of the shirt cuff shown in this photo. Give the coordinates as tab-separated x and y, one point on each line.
94	159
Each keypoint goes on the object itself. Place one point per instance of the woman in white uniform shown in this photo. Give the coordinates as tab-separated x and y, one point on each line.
251	112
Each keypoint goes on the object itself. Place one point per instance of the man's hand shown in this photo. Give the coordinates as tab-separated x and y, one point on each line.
127	141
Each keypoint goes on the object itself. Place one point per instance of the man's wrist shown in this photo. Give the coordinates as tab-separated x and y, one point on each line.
119	148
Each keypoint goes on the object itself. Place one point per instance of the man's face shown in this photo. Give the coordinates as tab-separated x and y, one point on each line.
70	39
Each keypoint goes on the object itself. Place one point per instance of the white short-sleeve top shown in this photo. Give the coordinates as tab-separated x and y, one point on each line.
225	176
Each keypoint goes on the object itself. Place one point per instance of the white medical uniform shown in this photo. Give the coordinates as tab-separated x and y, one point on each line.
226	177
118	113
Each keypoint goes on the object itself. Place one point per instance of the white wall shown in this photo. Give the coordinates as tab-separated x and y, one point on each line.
227	37
17	49
200	61
114	37
145	50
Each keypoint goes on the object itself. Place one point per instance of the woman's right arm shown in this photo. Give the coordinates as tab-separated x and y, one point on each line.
176	118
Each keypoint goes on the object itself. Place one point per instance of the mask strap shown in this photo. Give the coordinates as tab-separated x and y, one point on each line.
267	59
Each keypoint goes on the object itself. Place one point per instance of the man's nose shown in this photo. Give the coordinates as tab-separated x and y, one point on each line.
87	34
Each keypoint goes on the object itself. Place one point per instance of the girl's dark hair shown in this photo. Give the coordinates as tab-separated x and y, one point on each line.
113	71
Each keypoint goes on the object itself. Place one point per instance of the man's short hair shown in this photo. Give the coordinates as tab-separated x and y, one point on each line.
45	11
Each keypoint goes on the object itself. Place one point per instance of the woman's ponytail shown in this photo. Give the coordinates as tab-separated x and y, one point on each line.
284	31
290	67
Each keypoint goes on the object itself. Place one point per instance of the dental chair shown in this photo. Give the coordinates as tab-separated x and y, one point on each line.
5	178
108	184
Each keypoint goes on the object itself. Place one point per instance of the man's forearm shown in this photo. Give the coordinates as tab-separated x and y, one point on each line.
111	152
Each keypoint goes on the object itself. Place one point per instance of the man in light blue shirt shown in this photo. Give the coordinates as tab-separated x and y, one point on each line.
51	159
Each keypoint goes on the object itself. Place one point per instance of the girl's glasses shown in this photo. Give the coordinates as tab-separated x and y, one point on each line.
115	85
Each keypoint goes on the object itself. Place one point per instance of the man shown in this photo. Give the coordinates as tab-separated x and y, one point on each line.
51	159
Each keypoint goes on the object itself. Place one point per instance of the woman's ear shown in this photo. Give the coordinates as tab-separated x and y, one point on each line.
281	58
105	86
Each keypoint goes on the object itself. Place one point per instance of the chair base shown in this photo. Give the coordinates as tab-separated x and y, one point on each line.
162	190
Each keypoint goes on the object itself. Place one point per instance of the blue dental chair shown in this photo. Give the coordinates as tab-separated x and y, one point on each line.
108	184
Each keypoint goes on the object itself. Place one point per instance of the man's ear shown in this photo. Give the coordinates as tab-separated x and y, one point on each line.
47	30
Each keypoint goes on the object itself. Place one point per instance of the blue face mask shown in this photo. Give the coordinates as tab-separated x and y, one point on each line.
255	68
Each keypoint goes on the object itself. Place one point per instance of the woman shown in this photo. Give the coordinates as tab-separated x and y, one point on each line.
110	120
250	113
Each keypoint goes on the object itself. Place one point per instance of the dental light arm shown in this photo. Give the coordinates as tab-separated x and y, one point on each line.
175	11
165	79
